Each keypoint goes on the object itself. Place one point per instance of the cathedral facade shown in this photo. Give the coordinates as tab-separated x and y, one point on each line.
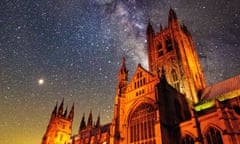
169	103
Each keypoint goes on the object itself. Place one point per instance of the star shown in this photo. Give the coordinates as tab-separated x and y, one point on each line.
41	81
77	46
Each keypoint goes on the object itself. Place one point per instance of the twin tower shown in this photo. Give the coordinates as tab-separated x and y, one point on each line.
153	100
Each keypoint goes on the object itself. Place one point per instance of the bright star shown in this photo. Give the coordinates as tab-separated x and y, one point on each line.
41	81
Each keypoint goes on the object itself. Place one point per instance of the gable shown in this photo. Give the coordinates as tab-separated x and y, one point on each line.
140	78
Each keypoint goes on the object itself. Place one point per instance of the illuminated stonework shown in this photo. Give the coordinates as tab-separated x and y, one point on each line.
173	49
59	130
169	104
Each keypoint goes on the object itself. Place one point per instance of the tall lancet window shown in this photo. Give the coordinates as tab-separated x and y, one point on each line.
187	140
141	124
175	80
168	43
160	50
213	136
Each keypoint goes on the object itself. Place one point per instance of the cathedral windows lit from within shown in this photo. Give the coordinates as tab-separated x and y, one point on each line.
175	80
61	137
169	104
214	136
141	81
141	124
187	140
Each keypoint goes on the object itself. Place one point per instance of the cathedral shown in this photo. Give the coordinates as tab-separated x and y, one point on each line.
167	104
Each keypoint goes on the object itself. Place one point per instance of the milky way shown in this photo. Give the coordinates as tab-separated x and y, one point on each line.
76	47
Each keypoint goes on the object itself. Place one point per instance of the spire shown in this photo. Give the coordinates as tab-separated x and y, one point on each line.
65	113
161	28
150	46
55	109
123	69
98	121
185	30
172	15
60	110
90	119
71	114
149	28
82	124
122	76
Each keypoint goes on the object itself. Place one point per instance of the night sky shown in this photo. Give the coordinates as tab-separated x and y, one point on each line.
72	49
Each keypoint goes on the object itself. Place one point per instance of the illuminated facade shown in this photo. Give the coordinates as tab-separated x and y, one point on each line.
90	133
173	49
170	103
59	130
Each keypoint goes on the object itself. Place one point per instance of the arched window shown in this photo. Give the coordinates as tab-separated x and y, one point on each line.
187	140
141	124
168	43
160	50
213	136
175	80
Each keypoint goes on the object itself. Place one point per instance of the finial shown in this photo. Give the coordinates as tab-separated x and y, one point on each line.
60	110
82	124
172	14
98	120
90	120
161	28
123	61
149	28
65	113
55	109
71	114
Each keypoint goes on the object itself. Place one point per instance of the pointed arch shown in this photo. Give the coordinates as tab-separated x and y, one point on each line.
141	123
175	80
213	135
187	139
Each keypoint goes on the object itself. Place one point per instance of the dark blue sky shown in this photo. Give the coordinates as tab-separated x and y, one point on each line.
76	46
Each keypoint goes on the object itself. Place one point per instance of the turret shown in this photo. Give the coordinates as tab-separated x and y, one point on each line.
83	123
161	28
172	15
54	112
65	113
98	121
90	120
173	20
122	77
150	45
71	114
185	30
60	110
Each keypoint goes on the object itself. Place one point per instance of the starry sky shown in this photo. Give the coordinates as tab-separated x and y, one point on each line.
75	49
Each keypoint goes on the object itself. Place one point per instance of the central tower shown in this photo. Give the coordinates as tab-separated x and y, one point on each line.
173	49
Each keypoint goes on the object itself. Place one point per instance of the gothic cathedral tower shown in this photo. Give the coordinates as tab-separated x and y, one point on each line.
59	129
173	49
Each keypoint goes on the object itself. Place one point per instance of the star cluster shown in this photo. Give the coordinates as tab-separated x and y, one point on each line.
75	48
